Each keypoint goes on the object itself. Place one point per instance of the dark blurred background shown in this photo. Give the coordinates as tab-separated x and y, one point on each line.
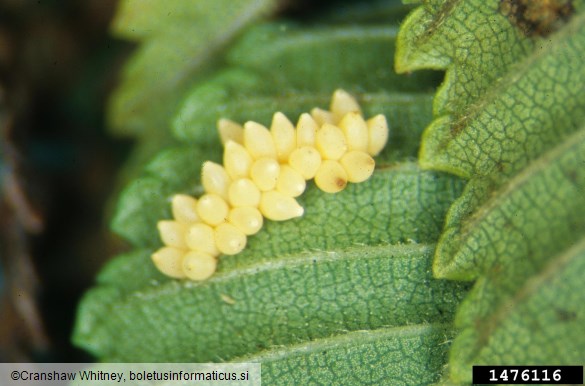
57	168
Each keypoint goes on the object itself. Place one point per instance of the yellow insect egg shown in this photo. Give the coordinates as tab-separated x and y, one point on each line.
184	208
377	134
358	165
355	131
305	160
244	192
258	141
306	130
212	209
199	265
322	116
284	136
264	173
343	103
290	182
331	177
330	142
215	179
277	206
172	233
236	160
169	261
247	219
229	239
230	131
200	237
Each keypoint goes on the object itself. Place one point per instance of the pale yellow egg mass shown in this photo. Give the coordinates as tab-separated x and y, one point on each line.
262	173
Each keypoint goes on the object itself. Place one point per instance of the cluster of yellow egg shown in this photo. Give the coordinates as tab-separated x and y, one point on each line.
263	171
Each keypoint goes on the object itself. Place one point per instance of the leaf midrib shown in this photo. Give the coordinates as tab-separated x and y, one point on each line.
291	260
530	287
339	34
214	46
437	19
320	345
536	167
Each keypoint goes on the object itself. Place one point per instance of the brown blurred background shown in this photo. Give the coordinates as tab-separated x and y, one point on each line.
57	168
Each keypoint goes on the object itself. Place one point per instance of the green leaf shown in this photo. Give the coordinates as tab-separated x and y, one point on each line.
349	284
179	42
311	278
372	11
523	102
462	37
509	116
304	67
361	358
196	121
518	241
540	323
523	223
147	198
